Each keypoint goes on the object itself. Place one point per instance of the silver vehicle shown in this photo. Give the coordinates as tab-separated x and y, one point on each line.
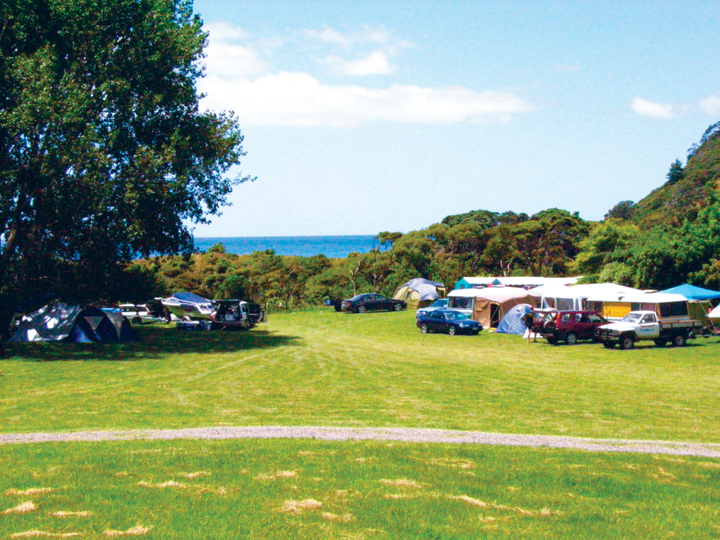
137	313
440	303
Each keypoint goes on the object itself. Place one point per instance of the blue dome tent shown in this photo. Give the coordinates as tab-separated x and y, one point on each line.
513	322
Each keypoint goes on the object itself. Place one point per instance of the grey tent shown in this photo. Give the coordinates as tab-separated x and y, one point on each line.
61	322
419	292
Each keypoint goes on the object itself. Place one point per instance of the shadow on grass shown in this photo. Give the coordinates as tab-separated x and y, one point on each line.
155	342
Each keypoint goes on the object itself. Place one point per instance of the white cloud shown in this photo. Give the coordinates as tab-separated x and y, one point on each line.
374	63
226	58
711	105
298	99
652	109
224	31
240	78
366	36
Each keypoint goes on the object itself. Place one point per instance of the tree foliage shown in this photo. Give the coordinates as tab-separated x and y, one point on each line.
104	152
622	210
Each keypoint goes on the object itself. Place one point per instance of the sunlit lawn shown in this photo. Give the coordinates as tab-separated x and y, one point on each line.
323	368
313	489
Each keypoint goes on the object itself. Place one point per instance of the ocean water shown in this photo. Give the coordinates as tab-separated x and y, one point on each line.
334	247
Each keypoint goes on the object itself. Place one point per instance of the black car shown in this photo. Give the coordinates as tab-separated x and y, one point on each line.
363	303
449	321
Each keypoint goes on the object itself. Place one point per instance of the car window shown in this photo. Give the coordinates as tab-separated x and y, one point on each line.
648	319
565	317
584	318
578	317
595	319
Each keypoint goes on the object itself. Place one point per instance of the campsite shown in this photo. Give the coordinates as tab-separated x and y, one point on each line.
161	380
316	367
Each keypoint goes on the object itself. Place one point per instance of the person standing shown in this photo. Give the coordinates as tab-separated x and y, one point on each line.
529	325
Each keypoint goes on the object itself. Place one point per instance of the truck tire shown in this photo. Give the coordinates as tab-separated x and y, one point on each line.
551	340
627	342
679	340
571	338
661	342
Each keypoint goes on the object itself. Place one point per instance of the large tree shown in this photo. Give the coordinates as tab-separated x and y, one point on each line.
105	153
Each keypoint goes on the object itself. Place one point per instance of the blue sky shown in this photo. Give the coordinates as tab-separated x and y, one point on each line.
362	117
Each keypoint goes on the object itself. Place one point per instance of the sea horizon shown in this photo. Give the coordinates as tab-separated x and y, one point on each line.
332	246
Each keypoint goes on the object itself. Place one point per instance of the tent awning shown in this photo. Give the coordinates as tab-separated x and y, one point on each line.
691	292
500	294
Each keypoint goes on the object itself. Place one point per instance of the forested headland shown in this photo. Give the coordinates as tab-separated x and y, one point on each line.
672	236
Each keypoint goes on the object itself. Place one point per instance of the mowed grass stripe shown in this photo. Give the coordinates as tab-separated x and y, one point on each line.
318	367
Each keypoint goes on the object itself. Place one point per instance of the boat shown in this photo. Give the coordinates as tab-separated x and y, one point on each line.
188	306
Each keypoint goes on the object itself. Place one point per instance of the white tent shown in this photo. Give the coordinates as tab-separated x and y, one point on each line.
513	281
578	296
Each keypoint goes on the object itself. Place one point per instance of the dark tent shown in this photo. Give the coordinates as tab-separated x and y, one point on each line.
60	322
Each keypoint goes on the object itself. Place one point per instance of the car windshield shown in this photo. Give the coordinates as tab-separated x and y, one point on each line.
632	317
456	315
439	303
358	297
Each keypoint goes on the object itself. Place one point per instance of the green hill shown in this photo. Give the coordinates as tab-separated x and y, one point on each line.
687	189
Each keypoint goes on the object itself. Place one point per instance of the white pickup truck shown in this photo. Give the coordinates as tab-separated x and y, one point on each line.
645	325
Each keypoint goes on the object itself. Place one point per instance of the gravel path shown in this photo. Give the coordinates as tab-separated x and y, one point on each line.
377	434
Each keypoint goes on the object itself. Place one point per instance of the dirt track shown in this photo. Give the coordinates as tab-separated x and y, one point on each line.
383	434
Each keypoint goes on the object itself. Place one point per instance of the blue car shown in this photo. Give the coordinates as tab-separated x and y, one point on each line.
449	321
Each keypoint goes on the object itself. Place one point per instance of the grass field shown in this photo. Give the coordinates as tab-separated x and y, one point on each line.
331	369
318	367
312	489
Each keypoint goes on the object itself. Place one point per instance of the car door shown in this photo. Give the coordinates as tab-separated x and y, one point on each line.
595	322
585	329
648	327
437	320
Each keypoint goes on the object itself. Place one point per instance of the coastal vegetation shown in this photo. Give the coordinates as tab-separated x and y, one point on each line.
672	236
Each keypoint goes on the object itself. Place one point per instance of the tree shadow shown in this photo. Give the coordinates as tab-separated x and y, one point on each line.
154	342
